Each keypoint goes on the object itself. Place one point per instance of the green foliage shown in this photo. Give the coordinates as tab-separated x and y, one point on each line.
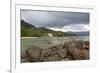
28	30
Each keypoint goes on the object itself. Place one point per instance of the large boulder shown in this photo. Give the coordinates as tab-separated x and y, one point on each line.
76	52
34	54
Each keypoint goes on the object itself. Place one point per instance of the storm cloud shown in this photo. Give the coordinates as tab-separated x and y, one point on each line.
57	20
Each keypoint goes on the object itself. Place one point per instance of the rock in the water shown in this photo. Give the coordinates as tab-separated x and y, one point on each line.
34	54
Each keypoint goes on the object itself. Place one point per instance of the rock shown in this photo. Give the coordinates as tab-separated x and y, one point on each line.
24	60
70	50
65	59
54	50
23	55
47	52
59	46
79	44
53	58
70	57
77	53
34	54
67	43
86	45
62	53
86	54
61	50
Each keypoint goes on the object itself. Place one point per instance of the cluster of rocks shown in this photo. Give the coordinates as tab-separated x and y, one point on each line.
70	50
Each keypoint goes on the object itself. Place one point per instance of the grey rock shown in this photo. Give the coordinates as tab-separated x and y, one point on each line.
86	54
61	50
86	45
73	50
76	53
79	44
34	54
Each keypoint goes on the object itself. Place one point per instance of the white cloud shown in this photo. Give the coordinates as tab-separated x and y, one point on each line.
71	27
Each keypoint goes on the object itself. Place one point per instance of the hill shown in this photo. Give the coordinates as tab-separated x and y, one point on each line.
85	33
29	30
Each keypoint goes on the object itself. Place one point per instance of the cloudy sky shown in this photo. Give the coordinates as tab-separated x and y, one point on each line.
58	21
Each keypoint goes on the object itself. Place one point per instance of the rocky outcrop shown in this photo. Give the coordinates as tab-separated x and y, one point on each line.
55	53
70	50
77	49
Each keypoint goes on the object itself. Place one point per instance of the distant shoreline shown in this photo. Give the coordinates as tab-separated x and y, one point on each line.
28	37
85	37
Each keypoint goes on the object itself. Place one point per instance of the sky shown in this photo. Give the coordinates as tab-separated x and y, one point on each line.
56	20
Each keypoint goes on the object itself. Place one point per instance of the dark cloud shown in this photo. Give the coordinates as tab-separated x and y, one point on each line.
54	19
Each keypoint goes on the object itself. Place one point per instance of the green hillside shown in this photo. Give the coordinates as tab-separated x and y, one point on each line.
28	30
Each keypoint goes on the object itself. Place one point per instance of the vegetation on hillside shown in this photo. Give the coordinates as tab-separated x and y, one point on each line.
28	30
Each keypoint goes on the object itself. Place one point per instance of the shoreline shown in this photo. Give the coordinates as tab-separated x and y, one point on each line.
85	37
28	37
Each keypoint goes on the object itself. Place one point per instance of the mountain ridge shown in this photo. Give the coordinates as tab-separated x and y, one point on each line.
29	30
